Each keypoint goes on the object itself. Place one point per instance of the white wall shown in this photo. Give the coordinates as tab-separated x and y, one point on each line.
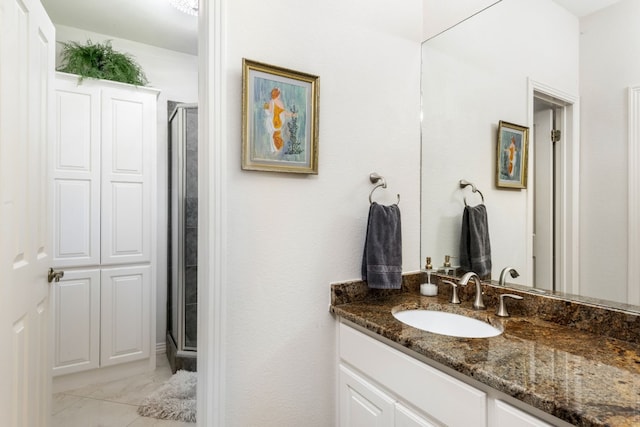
608	66
475	75
176	75
290	236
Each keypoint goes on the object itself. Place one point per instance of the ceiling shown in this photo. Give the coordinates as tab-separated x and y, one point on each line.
582	8
153	22
157	23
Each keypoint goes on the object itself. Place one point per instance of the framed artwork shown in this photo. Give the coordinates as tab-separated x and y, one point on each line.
513	147
279	119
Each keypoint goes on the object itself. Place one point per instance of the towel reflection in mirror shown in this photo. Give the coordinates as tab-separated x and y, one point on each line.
475	247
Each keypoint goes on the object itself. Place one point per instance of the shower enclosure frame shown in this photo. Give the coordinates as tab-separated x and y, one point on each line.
181	353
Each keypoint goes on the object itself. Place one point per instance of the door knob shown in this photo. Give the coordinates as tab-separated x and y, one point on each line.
54	275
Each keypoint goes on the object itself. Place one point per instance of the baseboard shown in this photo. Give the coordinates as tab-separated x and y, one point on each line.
161	347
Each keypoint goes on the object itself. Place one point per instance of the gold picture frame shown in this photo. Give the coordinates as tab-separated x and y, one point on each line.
279	119
512	153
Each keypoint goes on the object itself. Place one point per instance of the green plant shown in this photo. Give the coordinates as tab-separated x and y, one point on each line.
100	61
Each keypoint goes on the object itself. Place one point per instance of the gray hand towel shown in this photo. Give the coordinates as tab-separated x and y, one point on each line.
475	248
382	259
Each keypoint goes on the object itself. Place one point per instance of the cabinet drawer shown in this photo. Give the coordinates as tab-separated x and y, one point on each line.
432	391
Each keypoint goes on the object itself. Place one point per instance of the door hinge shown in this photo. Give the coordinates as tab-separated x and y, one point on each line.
555	135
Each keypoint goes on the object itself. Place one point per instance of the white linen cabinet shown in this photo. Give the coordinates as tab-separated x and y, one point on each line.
104	187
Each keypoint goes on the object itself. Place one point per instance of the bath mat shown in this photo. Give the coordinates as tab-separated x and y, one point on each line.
175	400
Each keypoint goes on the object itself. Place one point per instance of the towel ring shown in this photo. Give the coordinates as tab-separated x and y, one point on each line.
375	178
464	183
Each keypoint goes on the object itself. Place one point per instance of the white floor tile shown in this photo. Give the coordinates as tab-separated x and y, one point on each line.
132	390
95	413
62	401
112	404
153	422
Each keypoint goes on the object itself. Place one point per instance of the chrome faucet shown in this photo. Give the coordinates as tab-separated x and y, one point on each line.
478	304
503	274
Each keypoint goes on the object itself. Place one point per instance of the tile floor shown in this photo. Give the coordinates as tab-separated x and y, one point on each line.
112	404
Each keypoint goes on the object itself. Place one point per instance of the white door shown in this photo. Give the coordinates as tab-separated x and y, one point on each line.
27	52
543	248
76	174
128	125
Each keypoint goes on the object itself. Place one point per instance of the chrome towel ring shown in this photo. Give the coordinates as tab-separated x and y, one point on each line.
375	178
465	183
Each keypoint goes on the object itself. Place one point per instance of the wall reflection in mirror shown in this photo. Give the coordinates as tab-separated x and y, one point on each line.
534	63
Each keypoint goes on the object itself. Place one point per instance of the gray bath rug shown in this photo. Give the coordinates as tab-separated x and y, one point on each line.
175	400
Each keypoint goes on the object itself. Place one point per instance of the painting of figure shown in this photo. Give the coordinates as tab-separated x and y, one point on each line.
512	155
279	119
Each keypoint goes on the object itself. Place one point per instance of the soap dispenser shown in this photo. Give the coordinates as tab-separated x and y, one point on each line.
428	289
447	268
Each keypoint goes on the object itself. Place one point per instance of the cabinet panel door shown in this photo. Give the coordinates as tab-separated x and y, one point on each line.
128	132
406	417
125	314
76	322
510	416
76	174
362	404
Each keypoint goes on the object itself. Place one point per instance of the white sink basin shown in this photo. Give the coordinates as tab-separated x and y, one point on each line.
443	323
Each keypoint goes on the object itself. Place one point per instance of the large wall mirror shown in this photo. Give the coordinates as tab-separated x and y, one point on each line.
540	64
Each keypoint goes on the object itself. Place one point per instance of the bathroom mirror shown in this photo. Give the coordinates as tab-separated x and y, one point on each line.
530	62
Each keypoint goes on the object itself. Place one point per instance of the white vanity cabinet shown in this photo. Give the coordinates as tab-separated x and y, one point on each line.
103	186
407	383
381	386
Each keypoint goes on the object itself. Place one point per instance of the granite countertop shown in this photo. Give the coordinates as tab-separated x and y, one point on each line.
580	376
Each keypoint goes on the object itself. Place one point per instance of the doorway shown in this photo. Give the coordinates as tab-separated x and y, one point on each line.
547	169
553	201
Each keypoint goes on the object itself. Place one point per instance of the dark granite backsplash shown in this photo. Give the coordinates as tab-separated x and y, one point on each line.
593	317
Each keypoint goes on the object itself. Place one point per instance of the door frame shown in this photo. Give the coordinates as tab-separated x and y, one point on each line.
212	215
568	224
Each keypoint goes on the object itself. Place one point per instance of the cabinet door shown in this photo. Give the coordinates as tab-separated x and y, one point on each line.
506	415
76	322
406	417
125	314
76	174
362	404
128	137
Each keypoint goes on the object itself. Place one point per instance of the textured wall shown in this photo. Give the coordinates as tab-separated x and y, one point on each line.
607	69
290	236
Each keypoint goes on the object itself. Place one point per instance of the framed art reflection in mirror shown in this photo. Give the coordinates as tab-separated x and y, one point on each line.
513	147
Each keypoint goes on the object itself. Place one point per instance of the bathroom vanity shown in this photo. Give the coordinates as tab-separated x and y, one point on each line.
548	367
